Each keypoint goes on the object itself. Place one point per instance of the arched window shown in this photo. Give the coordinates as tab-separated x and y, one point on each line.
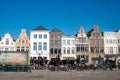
64	50
68	50
73	50
7	41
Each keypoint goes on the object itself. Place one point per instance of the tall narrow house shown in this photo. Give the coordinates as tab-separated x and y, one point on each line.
55	43
7	43
82	46
96	45
110	44
39	39
22	43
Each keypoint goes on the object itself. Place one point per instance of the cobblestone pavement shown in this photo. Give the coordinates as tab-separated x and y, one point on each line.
61	75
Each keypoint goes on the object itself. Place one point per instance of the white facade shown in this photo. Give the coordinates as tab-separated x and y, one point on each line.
7	43
39	40
82	45
118	37
68	47
110	43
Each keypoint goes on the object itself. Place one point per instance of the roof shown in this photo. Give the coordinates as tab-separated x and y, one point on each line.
89	33
117	30
81	30
14	39
40	28
56	30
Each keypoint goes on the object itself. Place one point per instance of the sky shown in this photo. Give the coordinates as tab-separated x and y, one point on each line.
66	15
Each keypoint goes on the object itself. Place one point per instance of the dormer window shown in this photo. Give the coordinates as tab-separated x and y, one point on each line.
7	41
96	35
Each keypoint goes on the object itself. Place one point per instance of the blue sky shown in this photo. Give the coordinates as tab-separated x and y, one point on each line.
67	15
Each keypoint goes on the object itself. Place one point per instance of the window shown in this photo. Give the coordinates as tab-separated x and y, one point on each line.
96	41
101	41
55	43
101	50
82	39
59	42
73	50
78	47
12	43
64	50
82	47
55	50
35	36
97	50
52	43
118	40
23	41
68	50
45	36
7	41
92	49
68	42
1	43
27	48
91	41
35	46
44	46
114	41
96	35
86	48
110	41
11	49
106	41
115	50
18	49
40	46
111	49
59	51
64	42
119	49
22	48
40	36
73	42
1	49
107	50
58	36
51	50
6	49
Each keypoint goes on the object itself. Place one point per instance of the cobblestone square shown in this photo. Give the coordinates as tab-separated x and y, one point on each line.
61	75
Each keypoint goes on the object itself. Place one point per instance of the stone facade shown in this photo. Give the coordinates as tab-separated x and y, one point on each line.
55	43
96	38
82	46
22	42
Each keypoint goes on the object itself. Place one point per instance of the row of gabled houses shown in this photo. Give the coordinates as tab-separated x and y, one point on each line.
92	46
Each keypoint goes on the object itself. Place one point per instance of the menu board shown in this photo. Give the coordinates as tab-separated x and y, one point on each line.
13	58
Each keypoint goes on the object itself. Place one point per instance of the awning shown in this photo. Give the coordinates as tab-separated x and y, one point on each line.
110	55
69	58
